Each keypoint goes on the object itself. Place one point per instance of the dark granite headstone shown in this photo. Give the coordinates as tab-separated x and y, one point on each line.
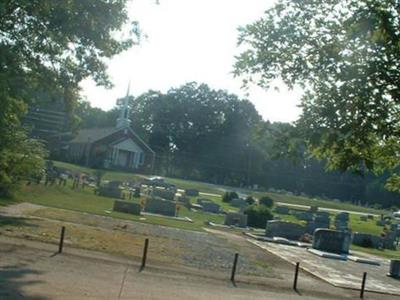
107	191
394	270
192	192
239	202
160	206
288	230
283	210
367	240
236	219
163	193
304	216
209	206
343	216
332	241
389	240
127	207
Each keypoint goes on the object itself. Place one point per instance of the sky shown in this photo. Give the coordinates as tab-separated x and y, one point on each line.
190	40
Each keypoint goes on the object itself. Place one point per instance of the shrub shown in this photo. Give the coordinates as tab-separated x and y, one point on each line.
266	201
258	215
250	200
228	196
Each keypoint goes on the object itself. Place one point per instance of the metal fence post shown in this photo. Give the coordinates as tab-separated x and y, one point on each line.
61	244
234	267
144	257
296	274
363	285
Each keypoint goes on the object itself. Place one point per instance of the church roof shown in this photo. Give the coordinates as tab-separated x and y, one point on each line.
93	134
88	136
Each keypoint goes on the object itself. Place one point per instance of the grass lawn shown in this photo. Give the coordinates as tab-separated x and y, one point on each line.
108	175
319	202
356	224
389	254
86	201
215	189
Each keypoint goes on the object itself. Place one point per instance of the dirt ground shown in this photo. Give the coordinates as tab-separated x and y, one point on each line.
31	270
181	264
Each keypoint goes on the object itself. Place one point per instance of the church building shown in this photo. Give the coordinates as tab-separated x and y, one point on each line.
112	148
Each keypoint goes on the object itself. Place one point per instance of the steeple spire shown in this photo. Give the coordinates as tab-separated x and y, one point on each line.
123	120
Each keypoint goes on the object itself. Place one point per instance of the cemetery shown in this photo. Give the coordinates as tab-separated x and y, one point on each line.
318	236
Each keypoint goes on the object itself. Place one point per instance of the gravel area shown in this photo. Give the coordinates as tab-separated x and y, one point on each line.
202	250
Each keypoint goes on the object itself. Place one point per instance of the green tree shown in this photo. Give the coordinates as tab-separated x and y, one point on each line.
250	200
258	215
46	49
266	201
345	55
229	196
198	132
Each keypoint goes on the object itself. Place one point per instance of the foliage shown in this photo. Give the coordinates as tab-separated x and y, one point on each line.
250	200
20	159
193	141
206	133
46	49
258	215
266	201
345	54
229	196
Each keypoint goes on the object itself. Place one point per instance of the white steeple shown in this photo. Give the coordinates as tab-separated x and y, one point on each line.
123	120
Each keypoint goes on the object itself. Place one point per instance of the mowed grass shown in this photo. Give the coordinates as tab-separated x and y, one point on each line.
86	201
299	200
385	253
108	175
219	190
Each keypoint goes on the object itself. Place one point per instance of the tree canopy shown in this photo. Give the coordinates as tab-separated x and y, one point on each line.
346	56
46	48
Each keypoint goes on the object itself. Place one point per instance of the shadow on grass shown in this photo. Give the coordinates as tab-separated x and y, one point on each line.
14	221
4	201
12	282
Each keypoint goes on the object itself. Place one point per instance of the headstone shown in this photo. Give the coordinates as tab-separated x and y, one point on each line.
109	191
370	217
323	214
341	221
210	206
192	192
288	230
364	218
165	194
322	219
389	240
311	226
381	223
313	209
239	202
160	206
236	219
184	200
394	270
341	226
201	200
367	240
304	216
332	241
283	210
342	216
114	183
127	207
